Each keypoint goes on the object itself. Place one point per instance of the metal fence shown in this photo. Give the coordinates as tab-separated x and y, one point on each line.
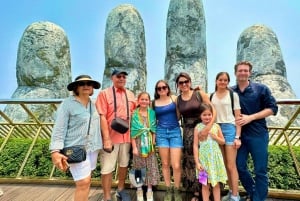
35	128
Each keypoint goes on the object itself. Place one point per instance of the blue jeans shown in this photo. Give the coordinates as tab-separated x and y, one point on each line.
257	146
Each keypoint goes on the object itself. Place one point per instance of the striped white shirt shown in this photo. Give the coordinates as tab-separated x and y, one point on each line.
71	126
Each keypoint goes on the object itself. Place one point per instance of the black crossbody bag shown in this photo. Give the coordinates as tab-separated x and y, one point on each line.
77	153
118	124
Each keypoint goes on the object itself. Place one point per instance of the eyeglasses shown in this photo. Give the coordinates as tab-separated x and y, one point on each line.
183	82
121	76
85	83
161	88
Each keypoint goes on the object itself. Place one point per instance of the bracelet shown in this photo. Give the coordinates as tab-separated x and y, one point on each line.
237	137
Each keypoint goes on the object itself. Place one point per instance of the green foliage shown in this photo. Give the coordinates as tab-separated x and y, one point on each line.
39	162
12	156
281	169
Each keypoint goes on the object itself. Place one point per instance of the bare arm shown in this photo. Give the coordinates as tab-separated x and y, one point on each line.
134	148
107	143
154	138
207	128
177	111
237	142
195	149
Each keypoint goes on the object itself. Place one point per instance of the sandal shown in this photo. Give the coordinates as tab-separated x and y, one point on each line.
196	198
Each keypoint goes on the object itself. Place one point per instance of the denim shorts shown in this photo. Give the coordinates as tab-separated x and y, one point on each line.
170	138
228	131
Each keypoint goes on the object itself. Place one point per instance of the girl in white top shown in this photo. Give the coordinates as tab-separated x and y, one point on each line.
226	114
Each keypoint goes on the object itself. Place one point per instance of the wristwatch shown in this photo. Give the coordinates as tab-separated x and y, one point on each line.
237	137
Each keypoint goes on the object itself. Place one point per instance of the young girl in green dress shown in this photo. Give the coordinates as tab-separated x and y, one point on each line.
207	154
142	131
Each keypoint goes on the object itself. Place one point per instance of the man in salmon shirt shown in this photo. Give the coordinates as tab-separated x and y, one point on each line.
116	146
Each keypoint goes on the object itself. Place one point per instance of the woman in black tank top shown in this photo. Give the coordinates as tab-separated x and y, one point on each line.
188	103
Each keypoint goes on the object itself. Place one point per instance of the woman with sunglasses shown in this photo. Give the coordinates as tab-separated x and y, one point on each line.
77	123
168	137
188	104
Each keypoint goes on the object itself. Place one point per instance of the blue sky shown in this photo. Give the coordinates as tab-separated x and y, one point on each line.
84	23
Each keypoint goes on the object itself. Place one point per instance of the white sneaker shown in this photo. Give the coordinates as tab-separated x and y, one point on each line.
1	192
139	195
150	196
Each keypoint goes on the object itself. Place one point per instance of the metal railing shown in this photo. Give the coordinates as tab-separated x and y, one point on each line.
34	128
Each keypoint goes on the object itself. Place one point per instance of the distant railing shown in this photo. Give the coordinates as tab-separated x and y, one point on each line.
283	134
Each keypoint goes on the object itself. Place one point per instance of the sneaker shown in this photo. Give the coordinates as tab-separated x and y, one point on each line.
123	195
168	195
177	194
149	196
139	195
226	197
1	192
235	199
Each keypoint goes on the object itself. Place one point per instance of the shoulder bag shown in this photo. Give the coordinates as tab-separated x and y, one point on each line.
118	124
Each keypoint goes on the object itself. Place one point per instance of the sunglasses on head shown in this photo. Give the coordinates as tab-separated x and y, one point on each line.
183	82
121	76
85	83
161	88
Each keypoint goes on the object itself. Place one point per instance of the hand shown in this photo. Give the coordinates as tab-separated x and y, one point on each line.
237	143
107	145
244	119
202	135
198	87
65	165
60	161
199	167
135	151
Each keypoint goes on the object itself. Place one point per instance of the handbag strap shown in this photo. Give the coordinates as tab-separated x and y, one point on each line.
88	131
115	103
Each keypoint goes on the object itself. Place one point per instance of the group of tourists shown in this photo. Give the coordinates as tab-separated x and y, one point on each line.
202	140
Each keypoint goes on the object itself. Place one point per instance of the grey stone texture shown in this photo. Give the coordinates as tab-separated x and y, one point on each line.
43	69
186	42
259	45
125	47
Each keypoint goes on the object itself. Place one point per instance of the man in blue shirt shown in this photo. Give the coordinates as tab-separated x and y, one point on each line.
257	103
